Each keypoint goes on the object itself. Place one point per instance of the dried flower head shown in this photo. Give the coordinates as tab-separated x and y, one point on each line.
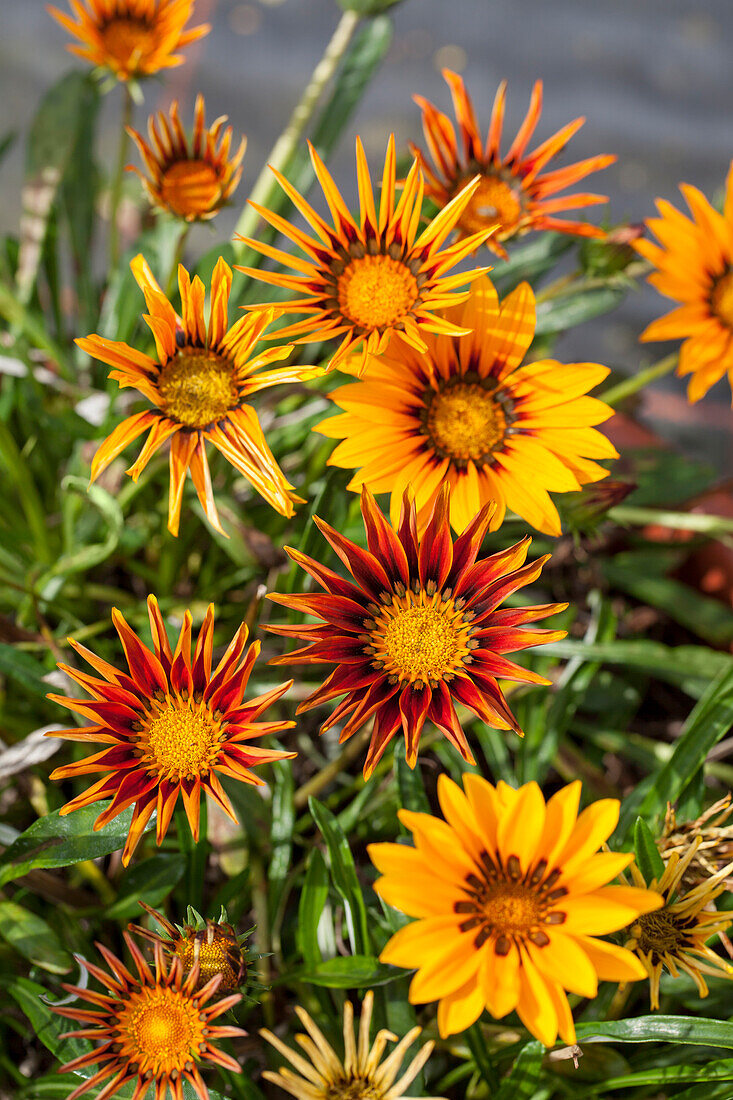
715	831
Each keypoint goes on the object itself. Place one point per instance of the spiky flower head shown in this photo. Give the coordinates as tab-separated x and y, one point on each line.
172	725
199	385
714	829
131	38
511	895
370	278
190	180
154	1028
515	193
418	629
675	936
361	1074
211	945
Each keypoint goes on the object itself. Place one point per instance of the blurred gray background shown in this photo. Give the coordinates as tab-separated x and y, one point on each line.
654	79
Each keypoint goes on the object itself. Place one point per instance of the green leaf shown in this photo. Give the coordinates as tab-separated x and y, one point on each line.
560	314
708	723
313	898
56	841
648	859
351	972
367	7
281	834
95	553
695	1030
343	875
722	1070
33	938
529	261
150	881
23	669
410	786
522	1081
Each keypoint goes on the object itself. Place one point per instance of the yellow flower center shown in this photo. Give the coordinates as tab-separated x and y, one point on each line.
190	188
721	299
464	422
376	292
510	906
128	43
179	740
197	387
161	1030
494	201
419	638
355	1088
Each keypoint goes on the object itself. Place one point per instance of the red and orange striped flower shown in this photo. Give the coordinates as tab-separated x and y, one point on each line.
155	1028
198	384
366	280
418	629
694	266
514	190
131	38
171	724
192	181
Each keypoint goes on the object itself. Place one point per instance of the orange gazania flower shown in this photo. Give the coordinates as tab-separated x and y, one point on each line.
510	894
694	262
173	725
154	1028
418	629
511	190
131	38
192	182
198	385
369	280
465	412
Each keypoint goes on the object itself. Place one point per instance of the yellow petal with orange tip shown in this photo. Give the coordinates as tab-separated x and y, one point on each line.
612	963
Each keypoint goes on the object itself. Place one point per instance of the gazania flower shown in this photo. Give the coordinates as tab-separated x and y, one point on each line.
675	936
715	832
131	38
361	1075
418	629
214	948
510	895
367	279
192	182
694	262
198	384
154	1028
465	413
173	725
514	190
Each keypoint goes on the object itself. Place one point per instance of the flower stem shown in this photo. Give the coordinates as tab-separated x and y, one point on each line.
636	382
116	189
322	778
266	186
177	257
481	1056
714	526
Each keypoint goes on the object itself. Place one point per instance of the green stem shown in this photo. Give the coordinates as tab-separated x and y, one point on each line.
618	393
116	189
177	257
322	778
266	186
195	853
481	1056
685	521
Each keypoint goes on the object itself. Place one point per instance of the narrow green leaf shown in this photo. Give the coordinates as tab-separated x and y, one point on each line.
55	841
648	859
312	901
560	314
150	881
23	669
695	1030
343	875
530	261
410	786
33	938
350	972
722	1070
281	833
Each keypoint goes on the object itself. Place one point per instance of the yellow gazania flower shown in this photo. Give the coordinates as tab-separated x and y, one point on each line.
465	412
215	948
366	280
362	1075
510	894
192	182
694	262
514	189
198	385
131	38
676	935
155	1029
